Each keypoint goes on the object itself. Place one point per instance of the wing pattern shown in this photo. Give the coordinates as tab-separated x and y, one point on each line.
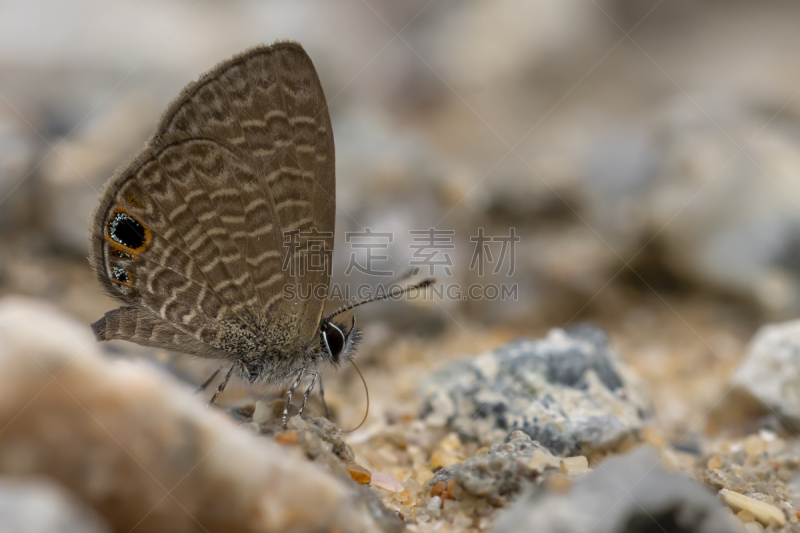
190	235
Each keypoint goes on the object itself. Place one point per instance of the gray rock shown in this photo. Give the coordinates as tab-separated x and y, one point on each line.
498	475
318	438
569	391
770	371
41	506
632	492
730	220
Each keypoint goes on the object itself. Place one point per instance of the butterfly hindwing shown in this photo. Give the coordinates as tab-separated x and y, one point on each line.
142	327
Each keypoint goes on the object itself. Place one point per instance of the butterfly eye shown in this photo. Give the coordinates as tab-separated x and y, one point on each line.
333	338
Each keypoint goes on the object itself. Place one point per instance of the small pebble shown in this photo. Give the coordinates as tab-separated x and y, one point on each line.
745	517
359	473
762	511
542	459
289	438
450	443
753	445
413	486
767	435
443	459
296	423
424	476
450	505
438	489
262	413
714	463
435	504
574	465
461	520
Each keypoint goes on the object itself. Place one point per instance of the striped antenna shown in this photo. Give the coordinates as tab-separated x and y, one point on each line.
419	285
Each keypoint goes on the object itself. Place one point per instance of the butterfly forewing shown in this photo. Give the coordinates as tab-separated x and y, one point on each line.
241	157
268	106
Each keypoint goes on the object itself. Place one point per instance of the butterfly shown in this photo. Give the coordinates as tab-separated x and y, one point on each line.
190	236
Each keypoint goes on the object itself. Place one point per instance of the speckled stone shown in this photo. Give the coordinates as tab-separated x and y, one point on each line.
630	492
497	475
318	438
569	391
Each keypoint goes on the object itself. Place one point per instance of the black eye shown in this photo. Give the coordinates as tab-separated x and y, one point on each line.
335	338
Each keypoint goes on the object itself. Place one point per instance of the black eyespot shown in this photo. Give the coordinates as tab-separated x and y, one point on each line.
335	338
127	231
121	275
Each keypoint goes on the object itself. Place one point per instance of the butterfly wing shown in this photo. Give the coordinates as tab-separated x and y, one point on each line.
163	241
269	106
192	231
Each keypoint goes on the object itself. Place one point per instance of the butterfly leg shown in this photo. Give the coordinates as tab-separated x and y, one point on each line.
322	397
208	381
300	375
308	391
222	385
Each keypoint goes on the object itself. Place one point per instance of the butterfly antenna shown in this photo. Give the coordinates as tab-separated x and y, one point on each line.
419	285
366	389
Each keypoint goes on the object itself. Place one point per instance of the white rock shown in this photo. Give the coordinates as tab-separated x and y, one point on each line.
435	504
262	413
771	368
730	221
574	465
765	513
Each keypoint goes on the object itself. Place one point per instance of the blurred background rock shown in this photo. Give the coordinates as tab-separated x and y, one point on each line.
646	152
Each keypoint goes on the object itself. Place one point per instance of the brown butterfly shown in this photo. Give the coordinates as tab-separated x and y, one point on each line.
190	235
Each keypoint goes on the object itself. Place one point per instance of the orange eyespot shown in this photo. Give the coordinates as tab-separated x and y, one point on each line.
126	233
